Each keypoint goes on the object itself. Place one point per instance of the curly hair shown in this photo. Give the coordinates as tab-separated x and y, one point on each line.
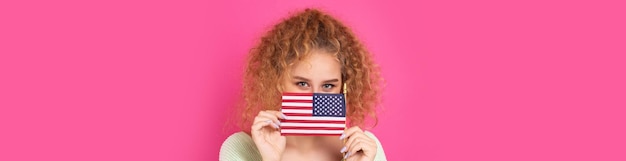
293	39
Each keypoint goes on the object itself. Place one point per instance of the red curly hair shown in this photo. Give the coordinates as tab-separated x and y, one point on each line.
293	39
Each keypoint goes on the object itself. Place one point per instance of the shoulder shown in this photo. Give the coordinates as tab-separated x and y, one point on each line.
239	146
380	153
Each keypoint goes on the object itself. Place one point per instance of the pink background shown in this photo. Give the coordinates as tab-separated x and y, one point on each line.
481	80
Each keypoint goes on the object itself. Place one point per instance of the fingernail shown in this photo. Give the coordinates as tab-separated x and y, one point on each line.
268	121
284	116
343	149
347	155
275	126
342	136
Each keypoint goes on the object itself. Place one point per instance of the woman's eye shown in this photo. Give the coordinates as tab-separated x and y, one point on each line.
328	86
302	84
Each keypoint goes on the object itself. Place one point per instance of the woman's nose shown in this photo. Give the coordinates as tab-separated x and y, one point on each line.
317	90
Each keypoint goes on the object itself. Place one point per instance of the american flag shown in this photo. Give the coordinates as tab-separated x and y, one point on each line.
313	114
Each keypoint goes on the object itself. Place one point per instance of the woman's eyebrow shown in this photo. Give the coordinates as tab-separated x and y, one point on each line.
308	80
331	81
301	78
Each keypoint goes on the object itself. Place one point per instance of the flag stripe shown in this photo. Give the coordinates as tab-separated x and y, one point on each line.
298	97
312	131
298	114
305	134
318	118
295	107
313	121
297	111
314	128
290	124
297	94
297	104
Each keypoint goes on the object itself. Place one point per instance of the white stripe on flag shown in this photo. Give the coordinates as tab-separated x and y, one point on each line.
287	124
297	97
296	104
316	118
297	111
311	131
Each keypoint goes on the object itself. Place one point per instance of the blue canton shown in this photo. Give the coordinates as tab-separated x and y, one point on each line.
332	105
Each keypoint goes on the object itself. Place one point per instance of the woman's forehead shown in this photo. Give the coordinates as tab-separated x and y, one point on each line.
322	65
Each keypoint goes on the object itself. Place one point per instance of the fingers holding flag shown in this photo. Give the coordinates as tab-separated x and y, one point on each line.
358	145
266	135
267	118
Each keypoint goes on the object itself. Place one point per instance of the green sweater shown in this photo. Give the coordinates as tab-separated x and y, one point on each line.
239	146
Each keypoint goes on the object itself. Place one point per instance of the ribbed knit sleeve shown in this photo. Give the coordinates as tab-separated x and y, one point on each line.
239	147
380	153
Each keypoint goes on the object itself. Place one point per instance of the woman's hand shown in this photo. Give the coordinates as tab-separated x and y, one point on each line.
266	135
359	147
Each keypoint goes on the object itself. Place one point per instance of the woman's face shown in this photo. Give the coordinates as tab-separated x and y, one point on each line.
320	72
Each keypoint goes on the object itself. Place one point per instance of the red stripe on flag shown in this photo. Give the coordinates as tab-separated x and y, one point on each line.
297	108
314	121
297	94
312	128
302	134
298	114
299	101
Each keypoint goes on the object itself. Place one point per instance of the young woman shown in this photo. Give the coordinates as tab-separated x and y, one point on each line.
310	52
